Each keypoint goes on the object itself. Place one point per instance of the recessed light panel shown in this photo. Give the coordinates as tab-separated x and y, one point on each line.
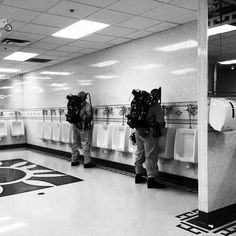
80	29
20	56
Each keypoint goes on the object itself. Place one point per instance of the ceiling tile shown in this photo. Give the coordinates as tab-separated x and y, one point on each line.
81	10
56	53
128	6
41	5
17	14
172	14
54	20
119	40
160	27
190	4
38	29
138	22
91	45
69	49
7	48
56	40
117	31
34	50
43	45
139	34
109	17
97	3
98	38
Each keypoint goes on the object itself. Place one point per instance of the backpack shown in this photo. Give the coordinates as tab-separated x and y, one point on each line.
73	109
138	110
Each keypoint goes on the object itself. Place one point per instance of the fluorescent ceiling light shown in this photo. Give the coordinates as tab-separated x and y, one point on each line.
20	56
61	89
221	29
105	63
37	77
2	75
55	73
80	29
6	87
178	46
183	71
8	70
105	76
230	62
85	81
146	67
58	85
85	84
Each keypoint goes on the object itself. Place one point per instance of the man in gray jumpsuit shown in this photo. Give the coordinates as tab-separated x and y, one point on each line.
82	134
147	144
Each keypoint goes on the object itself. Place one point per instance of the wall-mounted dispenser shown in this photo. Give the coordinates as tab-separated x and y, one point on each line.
222	114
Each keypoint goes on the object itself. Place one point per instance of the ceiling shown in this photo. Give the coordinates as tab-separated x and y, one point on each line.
36	20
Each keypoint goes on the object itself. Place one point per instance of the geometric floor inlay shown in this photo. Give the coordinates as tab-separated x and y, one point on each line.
187	220
20	176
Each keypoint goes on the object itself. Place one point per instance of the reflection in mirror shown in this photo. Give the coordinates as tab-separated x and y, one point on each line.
222	48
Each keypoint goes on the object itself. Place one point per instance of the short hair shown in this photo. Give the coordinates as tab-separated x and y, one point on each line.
82	94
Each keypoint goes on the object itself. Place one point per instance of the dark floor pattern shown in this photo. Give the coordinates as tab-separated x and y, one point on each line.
187	223
19	176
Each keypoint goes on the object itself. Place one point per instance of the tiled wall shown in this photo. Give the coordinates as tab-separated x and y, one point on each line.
167	59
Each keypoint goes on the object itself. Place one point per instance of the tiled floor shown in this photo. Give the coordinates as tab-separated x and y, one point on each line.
105	203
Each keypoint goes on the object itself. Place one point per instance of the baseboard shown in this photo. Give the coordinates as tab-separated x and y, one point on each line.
62	154
12	146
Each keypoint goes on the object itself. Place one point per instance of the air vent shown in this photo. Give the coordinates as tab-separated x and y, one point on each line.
15	42
38	60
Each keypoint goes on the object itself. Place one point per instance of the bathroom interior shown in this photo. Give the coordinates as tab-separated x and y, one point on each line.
196	155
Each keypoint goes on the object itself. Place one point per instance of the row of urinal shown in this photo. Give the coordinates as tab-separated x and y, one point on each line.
17	128
55	131
178	144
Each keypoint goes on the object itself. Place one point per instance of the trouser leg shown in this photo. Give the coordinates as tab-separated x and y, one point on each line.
86	144
140	155
76	145
151	153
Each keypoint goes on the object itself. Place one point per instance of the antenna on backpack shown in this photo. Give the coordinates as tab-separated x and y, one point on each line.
90	102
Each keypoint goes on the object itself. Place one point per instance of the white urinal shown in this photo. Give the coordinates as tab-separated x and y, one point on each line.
166	143
104	137
222	114
3	129
56	131
95	135
17	128
66	132
185	148
48	130
120	138
40	132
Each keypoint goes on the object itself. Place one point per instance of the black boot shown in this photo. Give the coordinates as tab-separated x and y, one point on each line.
75	163
89	165
139	179
153	183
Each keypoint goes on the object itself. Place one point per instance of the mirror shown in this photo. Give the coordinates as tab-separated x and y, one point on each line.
222	48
